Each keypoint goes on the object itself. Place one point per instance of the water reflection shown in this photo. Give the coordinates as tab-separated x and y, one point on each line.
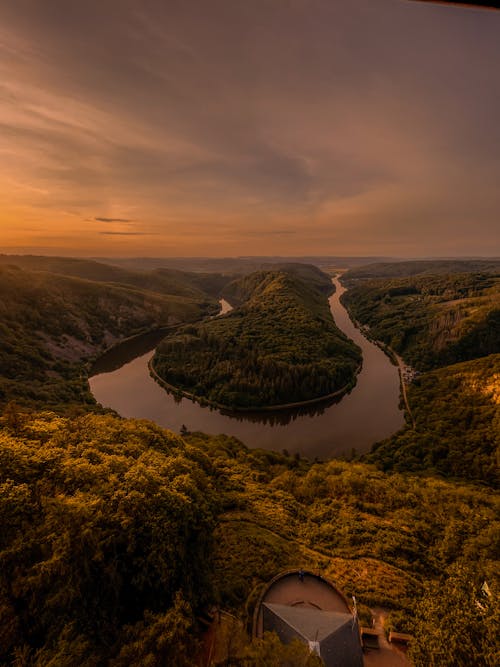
125	352
271	417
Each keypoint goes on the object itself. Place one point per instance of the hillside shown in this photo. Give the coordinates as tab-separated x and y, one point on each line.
431	321
457	424
50	325
163	280
99	516
421	267
119	532
279	346
241	289
234	265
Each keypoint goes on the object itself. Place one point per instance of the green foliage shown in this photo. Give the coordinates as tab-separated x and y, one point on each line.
431	321
280	346
163	281
457	424
50	325
398	621
160	639
104	522
421	268
361	527
116	531
271	652
457	621
240	290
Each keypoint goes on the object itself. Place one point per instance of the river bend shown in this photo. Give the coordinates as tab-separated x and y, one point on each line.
370	412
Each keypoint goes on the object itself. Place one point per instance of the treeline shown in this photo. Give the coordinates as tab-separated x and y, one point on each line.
421	267
431	321
457	425
165	281
118	533
51	325
365	530
241	289
280	346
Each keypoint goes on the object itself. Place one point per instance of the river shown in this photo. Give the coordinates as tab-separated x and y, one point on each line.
370	412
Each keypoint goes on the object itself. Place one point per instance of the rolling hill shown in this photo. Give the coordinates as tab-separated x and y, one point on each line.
51	325
279	346
431	321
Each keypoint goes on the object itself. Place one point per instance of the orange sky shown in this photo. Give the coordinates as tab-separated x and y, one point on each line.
273	127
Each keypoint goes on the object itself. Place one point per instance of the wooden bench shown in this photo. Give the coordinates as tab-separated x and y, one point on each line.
369	638
400	637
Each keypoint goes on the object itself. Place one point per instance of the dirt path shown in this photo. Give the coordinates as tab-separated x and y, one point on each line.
388	655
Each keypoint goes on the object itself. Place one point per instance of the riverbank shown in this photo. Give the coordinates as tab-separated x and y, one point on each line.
280	349
395	359
369	413
265	408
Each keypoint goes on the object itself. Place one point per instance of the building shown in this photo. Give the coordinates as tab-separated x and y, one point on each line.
302	605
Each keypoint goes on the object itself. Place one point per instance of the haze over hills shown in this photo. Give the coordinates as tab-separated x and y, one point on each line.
52	325
162	279
416	267
232	264
255	263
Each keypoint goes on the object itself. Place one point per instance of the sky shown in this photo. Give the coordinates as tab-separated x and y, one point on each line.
228	127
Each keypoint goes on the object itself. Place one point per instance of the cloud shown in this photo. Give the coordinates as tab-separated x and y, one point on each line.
113	220
310	125
106	233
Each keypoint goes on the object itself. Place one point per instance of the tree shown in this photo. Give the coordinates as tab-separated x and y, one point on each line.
456	622
271	652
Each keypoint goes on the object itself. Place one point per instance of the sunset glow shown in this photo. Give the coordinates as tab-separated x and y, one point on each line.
228	128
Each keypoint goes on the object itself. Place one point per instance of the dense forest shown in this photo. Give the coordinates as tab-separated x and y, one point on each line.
162	280
118	534
457	424
51	324
279	346
106	543
420	267
431	321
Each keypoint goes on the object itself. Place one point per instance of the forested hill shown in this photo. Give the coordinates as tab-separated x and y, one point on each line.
431	321
51	324
242	289
421	267
161	280
116	534
457	425
280	346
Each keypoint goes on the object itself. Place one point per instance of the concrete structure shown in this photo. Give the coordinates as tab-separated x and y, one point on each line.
305	606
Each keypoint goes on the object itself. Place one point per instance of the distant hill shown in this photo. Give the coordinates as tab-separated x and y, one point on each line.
240	265
51	324
163	281
279	346
431	320
421	267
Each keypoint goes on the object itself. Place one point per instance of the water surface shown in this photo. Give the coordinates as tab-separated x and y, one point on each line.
369	413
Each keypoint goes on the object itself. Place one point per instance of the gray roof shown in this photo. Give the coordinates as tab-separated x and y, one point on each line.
312	624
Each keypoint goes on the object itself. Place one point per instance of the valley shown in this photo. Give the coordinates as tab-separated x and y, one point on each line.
107	509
